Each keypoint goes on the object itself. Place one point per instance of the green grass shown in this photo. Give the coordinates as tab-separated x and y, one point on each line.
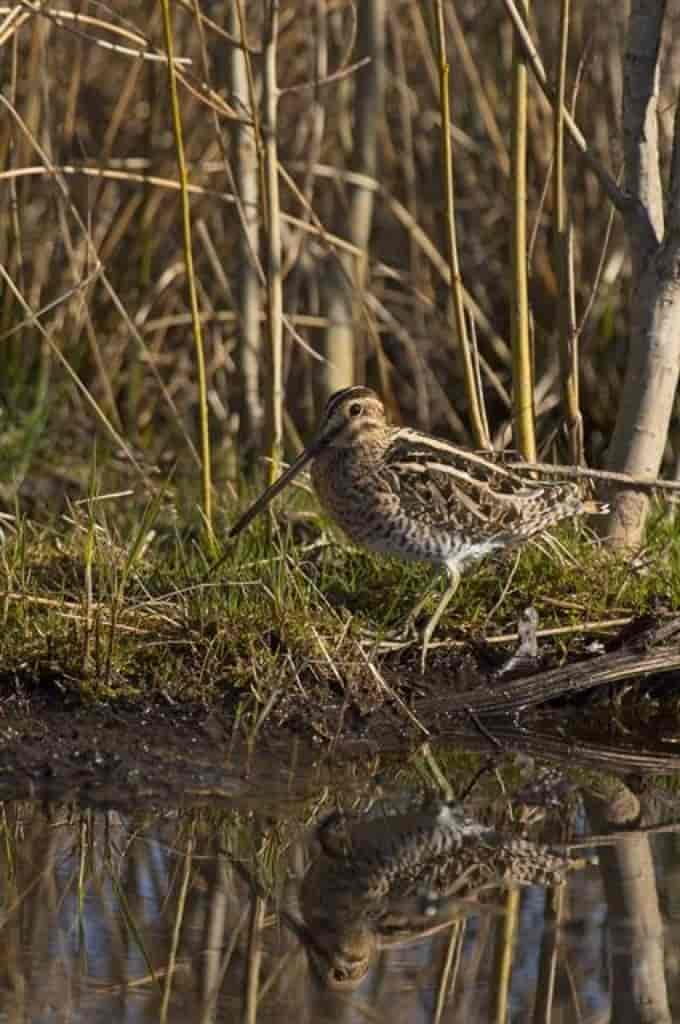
108	603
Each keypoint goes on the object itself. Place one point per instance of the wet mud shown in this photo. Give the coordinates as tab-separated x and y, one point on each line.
615	705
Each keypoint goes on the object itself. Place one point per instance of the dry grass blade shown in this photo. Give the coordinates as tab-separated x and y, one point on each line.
474	398
206	478
522	360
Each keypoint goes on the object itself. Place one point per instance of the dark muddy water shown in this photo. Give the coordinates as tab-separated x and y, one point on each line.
352	895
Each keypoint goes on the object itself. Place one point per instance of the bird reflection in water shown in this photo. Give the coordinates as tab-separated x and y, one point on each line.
395	878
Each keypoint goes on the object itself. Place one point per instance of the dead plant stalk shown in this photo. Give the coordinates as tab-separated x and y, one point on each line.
206	484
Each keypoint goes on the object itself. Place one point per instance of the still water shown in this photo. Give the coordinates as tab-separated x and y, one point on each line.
513	893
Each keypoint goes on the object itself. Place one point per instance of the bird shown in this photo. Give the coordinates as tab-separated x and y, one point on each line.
389	876
407	494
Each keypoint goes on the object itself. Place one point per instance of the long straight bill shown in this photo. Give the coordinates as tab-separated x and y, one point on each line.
276	488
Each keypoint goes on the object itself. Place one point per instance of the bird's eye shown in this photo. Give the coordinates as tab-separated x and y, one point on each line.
354	409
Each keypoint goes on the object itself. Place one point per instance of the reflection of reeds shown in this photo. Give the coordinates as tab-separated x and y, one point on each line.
148	907
554	911
176	930
504	954
450	968
192	915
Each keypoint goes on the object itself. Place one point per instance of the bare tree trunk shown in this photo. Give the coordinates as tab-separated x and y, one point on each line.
654	359
249	286
340	302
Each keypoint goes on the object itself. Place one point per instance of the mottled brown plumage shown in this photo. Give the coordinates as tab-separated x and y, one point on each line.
390	877
412	496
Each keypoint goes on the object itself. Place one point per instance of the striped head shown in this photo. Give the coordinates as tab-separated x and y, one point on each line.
353	416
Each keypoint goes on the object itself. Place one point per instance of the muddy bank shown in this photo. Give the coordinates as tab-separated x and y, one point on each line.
46	750
52	743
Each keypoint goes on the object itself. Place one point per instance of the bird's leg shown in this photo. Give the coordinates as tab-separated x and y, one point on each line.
454	579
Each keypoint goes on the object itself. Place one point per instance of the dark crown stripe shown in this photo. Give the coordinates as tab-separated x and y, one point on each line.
357	391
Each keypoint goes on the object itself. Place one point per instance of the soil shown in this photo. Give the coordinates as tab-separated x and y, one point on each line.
52	743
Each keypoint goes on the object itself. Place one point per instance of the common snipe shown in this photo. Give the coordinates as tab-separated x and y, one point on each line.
387	879
416	497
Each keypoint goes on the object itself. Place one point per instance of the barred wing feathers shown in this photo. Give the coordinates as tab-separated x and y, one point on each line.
476	493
